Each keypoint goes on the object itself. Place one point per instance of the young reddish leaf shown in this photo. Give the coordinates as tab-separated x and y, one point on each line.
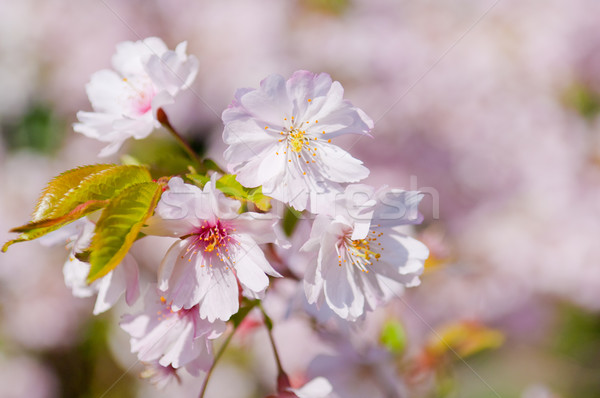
119	225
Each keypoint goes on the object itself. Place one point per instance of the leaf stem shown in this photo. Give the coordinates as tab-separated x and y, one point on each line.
164	120
217	357
269	326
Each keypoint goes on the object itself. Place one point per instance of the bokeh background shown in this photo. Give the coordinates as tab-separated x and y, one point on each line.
491	108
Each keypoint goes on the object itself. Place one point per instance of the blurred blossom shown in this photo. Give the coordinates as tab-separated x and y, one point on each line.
38	311
352	374
495	120
538	391
21	376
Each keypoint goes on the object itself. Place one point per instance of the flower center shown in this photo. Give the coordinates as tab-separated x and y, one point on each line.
165	311
296	140
212	238
139	95
361	252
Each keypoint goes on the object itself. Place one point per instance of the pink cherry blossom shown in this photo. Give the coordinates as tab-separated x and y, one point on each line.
217	249
169	337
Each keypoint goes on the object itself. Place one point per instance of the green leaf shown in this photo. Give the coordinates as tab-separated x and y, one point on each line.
210	164
245	308
76	193
261	201
393	336
60	186
290	219
119	225
584	100
102	185
231	187
37	229
197	179
39	129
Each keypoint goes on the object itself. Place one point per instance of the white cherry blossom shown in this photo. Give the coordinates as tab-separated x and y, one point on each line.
146	76
361	254
280	136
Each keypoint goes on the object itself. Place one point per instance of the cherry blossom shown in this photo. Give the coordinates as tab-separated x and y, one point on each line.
217	249
280	136
146	76
361	255
123	279
172	338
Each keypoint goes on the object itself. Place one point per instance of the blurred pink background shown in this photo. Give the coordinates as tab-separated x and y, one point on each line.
491	108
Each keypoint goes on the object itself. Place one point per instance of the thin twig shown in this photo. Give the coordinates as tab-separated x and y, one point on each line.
214	364
161	116
281	375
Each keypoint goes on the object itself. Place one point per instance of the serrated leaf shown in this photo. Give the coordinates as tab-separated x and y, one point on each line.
37	229
102	185
75	194
119	225
231	187
59	186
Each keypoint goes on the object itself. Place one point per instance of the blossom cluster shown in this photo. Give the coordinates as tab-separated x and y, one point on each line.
357	253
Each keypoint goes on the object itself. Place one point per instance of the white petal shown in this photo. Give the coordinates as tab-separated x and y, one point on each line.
105	90
183	282
305	88
270	103
75	274
319	387
259	226
130	57
337	165
131	274
179	203
221	299
263	166
341	293
397	207
249	265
